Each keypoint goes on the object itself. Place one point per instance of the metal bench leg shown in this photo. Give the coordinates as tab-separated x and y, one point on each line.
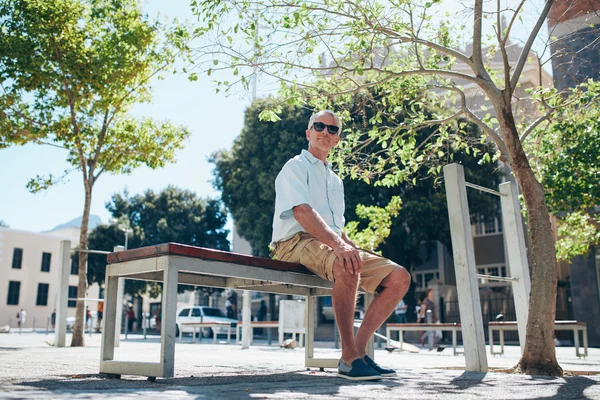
454	342
502	342
167	329
585	341
309	328
576	339
491	339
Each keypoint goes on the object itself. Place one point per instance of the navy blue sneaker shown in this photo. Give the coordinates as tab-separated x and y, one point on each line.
382	371
359	371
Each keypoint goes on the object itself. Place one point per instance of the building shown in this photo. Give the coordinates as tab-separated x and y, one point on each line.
29	279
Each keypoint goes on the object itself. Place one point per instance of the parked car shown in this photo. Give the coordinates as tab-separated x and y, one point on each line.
70	323
203	314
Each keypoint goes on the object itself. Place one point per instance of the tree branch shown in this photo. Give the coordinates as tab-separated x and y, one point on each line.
535	124
525	52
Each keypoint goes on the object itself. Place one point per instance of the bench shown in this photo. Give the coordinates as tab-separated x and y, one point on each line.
174	264
255	324
200	325
574	326
400	328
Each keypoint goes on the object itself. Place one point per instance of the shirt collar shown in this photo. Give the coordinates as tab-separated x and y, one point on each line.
313	160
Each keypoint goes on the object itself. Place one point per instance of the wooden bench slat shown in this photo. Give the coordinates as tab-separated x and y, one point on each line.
514	323
413	325
203	253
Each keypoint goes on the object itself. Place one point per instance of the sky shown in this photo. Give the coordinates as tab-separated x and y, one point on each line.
213	119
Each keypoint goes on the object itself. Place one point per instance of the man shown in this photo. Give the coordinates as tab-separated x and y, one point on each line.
400	312
307	228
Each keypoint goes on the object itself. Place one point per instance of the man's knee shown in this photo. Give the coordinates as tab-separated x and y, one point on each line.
344	277
398	278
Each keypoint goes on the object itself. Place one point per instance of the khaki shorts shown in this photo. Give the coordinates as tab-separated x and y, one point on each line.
319	258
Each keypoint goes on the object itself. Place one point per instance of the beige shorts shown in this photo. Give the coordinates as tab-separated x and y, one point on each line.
319	258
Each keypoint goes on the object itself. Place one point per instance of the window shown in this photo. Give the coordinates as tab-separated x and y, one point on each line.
422	279
492	270
196	312
14	288
72	295
46	262
489	226
185	312
17	258
74	266
42	294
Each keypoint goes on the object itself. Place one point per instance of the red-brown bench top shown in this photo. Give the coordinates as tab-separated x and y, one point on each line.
450	324
176	249
514	323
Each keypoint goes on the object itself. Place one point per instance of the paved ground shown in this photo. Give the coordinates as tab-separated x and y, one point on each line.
32	369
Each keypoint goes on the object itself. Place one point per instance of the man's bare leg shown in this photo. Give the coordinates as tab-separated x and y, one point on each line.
344	304
395	286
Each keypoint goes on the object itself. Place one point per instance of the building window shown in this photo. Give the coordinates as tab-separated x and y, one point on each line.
46	262
74	266
17	258
72	295
42	294
14	289
422	278
492	270
489	226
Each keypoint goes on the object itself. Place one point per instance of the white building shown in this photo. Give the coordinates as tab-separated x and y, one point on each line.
29	273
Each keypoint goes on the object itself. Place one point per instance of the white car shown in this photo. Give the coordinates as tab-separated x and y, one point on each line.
203	314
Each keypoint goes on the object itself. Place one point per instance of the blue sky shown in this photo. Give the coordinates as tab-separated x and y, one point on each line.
213	119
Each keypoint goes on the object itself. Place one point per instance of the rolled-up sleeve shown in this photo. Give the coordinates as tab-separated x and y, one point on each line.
291	188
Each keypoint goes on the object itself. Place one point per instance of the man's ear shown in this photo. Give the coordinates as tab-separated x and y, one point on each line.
337	140
308	134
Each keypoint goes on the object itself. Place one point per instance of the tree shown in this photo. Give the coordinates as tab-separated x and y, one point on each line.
248	171
172	215
566	157
325	52
70	71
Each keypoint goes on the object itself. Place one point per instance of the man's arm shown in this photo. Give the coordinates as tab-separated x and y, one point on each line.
346	254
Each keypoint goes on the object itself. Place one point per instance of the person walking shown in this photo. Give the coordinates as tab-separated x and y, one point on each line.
400	312
307	229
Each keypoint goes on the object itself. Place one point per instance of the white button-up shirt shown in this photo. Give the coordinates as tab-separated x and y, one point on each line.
307	180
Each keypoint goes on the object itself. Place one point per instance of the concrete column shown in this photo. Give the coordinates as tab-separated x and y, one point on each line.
514	239
465	269
120	294
60	330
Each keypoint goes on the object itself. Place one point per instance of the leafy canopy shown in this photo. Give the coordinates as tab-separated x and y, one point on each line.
245	175
171	215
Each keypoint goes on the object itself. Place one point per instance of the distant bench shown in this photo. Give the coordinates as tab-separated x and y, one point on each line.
574	326
400	328
200	325
175	264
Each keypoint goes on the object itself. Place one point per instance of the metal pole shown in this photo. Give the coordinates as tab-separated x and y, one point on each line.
126	325
33	325
465	269
430	333
145	317
269	329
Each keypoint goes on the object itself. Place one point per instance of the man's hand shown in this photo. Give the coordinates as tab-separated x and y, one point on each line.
348	258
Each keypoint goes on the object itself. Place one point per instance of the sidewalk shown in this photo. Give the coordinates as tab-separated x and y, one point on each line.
32	369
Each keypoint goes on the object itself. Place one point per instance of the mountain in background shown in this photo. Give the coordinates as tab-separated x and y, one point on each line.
76	223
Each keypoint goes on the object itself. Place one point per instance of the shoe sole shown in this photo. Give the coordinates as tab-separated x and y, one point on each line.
359	378
390	374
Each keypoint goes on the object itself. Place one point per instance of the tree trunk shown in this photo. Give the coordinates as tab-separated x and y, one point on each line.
539	354
78	328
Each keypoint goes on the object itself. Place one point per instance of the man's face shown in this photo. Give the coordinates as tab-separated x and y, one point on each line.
323	141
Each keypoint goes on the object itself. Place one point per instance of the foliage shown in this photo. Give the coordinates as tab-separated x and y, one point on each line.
248	171
70	70
567	157
172	215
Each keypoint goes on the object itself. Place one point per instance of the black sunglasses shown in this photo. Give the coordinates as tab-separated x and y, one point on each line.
319	126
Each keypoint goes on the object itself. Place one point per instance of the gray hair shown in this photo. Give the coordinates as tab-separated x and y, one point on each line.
323	112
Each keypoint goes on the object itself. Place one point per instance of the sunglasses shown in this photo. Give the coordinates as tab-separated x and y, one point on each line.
319	126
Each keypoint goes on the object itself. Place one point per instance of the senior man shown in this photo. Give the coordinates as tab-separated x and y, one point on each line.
307	229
